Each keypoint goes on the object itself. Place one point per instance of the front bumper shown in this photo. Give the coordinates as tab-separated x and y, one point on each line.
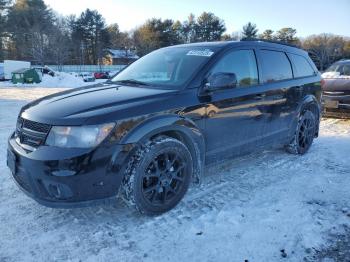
57	177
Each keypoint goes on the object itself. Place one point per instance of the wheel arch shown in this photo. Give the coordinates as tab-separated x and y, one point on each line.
308	102
175	126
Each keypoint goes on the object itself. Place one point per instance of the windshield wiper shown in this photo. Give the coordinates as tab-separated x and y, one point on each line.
132	81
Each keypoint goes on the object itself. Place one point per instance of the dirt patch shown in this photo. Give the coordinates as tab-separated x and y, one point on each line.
337	250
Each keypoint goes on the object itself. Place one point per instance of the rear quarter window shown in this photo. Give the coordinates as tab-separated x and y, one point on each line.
275	66
302	66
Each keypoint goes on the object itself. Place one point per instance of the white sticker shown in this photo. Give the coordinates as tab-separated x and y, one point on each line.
205	52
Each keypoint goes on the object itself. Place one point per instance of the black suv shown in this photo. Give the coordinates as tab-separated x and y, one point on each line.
150	130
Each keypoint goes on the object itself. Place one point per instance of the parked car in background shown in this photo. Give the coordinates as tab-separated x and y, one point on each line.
336	90
101	75
150	130
87	77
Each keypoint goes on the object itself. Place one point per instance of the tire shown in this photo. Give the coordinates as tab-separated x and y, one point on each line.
304	134
158	176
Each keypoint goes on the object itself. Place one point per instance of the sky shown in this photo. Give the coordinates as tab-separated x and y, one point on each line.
306	16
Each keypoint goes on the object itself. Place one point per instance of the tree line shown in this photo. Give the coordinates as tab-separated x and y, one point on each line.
30	30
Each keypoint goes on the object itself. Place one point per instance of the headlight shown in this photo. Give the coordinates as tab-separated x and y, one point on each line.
78	136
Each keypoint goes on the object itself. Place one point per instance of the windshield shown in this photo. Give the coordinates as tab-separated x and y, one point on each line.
169	67
340	69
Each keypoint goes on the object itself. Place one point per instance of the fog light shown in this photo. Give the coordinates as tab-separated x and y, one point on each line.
55	191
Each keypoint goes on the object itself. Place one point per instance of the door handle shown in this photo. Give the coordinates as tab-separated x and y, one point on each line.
259	96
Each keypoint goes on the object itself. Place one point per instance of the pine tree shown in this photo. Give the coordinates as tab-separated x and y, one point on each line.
29	23
209	27
154	34
90	36
250	31
267	34
287	35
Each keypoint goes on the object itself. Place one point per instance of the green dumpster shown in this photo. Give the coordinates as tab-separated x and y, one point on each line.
26	75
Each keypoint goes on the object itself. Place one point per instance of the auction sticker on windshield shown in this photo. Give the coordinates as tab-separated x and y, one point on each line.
205	52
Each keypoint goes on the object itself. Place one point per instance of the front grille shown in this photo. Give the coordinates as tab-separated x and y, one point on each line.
31	133
35	126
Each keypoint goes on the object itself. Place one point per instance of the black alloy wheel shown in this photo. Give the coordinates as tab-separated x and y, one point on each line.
306	132
164	177
159	176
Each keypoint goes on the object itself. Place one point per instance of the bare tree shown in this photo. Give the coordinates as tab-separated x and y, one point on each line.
324	48
59	43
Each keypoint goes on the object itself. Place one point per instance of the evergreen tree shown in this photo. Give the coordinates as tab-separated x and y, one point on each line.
118	39
90	36
3	7
250	31
287	35
29	22
179	33
155	34
209	28
189	29
267	34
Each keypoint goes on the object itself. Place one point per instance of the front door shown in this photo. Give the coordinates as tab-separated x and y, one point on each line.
233	120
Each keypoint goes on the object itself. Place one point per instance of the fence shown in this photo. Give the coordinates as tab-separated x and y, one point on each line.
86	68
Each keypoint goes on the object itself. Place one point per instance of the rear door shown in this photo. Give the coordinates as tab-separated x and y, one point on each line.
280	101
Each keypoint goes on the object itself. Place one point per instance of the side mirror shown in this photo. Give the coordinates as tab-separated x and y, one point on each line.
219	81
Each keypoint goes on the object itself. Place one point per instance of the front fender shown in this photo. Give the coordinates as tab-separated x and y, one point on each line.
171	125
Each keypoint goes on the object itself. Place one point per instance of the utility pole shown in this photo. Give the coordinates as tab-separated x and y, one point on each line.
82	55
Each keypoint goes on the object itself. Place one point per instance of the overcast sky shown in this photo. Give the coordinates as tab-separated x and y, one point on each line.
307	16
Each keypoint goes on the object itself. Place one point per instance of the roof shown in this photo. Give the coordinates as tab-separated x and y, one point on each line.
122	53
22	70
223	44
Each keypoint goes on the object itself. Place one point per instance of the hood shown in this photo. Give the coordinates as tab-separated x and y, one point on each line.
94	104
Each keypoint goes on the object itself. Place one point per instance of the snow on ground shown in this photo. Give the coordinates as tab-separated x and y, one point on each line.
60	80
270	206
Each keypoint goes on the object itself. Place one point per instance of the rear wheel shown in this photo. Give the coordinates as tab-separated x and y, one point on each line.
304	134
158	176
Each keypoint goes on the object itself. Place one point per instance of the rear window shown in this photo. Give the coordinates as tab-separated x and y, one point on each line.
275	66
302	66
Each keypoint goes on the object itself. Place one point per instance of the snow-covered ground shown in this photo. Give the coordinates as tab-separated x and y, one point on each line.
270	206
60	80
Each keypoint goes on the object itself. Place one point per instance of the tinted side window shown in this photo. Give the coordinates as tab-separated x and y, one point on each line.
242	63
303	68
275	66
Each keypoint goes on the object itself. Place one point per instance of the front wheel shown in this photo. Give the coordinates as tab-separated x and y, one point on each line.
304	134
158	176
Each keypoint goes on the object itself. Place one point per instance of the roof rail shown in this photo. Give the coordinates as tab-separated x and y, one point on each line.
270	41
